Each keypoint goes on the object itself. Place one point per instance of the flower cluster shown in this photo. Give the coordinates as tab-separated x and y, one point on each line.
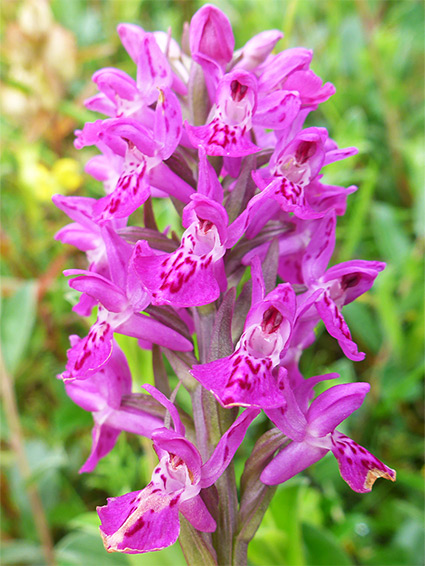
221	134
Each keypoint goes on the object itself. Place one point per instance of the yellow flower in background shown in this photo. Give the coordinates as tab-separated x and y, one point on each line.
64	177
67	172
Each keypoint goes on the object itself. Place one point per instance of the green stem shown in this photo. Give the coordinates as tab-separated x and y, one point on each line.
17	442
255	496
196	546
211	422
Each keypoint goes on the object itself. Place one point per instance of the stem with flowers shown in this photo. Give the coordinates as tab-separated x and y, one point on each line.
232	303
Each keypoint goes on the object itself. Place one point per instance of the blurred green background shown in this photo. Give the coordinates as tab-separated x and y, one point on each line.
373	52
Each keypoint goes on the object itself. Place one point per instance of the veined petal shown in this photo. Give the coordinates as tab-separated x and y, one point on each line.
186	277
337	327
153	69
141	521
178	279
277	110
79	209
218	138
91	353
241	380
291	198
354	278
131	191
358	467
168	122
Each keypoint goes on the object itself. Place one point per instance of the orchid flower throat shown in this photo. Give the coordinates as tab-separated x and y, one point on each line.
237	109
268	338
172	474
337	288
295	167
204	239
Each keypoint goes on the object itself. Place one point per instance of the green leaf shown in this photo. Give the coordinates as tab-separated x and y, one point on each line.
357	216
390	236
322	548
17	321
195	546
81	547
21	552
364	326
388	308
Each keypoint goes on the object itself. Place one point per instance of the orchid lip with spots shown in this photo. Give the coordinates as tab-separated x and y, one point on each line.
227	297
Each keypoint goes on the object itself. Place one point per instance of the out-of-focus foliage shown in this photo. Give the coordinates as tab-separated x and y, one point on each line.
372	50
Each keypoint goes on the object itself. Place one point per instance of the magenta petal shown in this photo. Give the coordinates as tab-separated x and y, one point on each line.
333	406
278	109
85	305
91	353
203	207
153	69
320	249
174	443
104	438
208	183
337	327
79	209
150	330
197	514
291	198
218	138
79	236
211	35
226	448
289	419
257	49
258	287
168	122
161	398
134	421
291	461
132	191
141	521
358	467
180	279
131	37
241	380
304	390
338	154
104	291
102	104
282	65
355	277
